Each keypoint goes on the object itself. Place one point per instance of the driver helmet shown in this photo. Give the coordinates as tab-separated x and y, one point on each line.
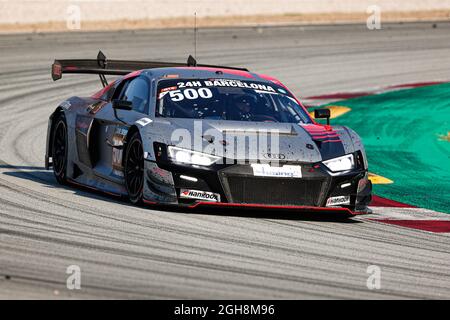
244	105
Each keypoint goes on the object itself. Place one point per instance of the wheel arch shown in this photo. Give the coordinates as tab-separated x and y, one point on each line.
132	130
51	124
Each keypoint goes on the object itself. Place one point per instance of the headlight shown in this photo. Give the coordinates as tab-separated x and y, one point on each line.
343	163
192	157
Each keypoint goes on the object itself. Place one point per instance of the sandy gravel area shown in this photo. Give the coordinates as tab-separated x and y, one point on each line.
203	22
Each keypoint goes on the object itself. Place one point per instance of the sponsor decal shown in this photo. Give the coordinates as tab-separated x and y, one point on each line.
199	195
169	89
338	201
286	171
225	83
66	105
96	107
190	94
189	84
117	153
200	89
238	84
144	121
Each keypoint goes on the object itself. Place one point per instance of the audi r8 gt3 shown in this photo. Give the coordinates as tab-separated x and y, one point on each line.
196	135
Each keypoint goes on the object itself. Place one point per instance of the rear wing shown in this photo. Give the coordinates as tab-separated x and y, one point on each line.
103	66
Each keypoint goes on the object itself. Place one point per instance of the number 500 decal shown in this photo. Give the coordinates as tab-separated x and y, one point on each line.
191	94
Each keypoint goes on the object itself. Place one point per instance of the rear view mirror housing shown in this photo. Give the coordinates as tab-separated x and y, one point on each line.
122	104
322	114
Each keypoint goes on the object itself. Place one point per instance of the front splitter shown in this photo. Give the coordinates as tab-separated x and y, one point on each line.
247	206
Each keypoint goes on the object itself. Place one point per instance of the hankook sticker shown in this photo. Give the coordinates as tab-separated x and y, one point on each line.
338	201
199	195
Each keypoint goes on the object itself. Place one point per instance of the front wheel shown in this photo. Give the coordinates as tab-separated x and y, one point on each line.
59	150
134	169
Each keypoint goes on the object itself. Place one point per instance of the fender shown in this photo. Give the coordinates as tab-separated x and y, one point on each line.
48	144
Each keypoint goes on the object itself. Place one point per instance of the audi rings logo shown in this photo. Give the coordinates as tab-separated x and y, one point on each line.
274	156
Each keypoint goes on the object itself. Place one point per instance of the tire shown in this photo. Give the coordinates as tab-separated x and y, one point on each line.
134	169
59	149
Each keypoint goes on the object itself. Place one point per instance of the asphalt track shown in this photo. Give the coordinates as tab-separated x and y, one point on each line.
129	252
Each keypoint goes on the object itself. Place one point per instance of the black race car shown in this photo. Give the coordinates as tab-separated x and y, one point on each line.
199	135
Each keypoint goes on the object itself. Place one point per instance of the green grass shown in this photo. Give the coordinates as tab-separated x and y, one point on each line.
401	131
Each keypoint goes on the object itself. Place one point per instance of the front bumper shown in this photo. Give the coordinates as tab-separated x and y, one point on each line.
238	187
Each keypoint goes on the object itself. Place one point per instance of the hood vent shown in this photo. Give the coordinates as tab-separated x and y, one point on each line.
271	130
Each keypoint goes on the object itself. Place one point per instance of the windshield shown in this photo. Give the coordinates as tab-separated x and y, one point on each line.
225	99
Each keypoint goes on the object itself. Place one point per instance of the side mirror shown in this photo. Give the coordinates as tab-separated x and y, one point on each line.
122	105
322	114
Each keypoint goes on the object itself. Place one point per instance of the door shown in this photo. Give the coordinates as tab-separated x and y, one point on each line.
110	128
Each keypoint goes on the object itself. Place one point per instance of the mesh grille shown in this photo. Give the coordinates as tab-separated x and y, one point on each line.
274	191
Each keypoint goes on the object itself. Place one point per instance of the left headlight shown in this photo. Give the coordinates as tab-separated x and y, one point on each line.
191	157
343	163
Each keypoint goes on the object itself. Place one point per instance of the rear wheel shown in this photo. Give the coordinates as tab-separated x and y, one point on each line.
134	169
59	150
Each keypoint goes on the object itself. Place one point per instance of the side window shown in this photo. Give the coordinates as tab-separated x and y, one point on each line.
137	91
108	94
119	89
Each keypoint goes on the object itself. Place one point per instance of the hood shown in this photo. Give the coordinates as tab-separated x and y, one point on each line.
254	140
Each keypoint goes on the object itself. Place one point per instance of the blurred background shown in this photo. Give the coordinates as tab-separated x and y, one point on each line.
59	15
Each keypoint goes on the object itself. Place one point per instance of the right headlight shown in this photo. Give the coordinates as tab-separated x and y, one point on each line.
343	163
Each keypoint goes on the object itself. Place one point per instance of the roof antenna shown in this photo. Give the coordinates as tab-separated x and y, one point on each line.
192	62
195	35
